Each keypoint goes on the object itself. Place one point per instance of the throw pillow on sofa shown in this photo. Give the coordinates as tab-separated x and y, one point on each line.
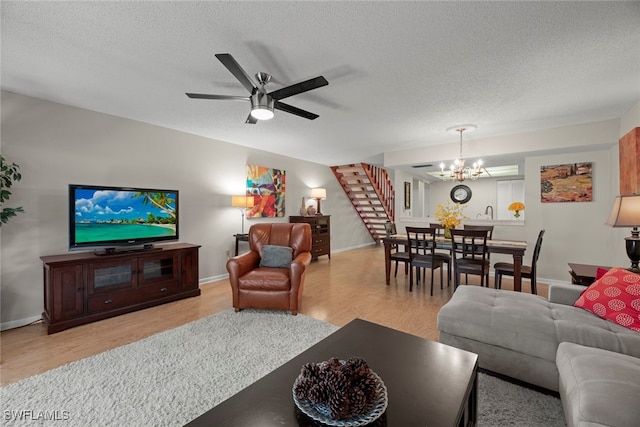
276	256
614	297
600	272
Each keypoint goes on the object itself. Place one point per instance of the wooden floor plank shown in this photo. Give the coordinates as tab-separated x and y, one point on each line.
348	286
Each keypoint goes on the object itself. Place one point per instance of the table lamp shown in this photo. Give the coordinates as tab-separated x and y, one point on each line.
626	213
242	202
318	194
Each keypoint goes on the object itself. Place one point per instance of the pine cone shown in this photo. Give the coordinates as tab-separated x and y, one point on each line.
318	394
356	362
332	364
337	382
310	370
339	406
301	389
357	402
369	384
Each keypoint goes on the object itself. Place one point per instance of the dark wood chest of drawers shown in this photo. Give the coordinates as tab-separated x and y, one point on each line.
320	233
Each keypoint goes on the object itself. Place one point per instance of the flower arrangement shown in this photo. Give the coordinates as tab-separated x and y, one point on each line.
516	207
449	217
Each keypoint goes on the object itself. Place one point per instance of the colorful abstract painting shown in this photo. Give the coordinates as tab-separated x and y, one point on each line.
566	183
267	187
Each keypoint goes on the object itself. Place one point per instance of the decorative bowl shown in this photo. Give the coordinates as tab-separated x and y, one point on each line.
322	413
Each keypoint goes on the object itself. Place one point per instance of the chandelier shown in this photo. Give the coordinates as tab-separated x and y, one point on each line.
458	171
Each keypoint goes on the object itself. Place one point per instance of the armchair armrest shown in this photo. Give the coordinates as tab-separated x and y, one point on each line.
559	293
298	267
300	263
242	264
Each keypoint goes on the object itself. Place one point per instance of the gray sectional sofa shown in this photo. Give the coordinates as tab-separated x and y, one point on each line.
544	342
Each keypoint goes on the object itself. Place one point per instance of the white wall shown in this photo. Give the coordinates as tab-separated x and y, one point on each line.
588	136
56	145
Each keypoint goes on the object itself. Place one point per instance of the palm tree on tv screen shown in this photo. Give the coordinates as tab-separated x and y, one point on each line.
161	200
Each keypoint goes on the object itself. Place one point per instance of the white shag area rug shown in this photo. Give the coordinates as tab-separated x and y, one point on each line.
172	377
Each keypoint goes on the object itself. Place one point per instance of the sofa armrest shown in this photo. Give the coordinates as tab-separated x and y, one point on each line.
560	293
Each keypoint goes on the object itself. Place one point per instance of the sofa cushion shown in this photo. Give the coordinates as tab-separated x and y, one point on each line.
614	297
276	256
598	387
529	324
265	279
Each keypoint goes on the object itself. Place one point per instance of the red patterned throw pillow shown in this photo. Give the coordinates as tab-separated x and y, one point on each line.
600	272
614	297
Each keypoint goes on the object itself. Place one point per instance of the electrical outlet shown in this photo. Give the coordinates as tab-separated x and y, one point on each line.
227	253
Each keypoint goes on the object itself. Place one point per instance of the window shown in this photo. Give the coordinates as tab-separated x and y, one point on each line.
507	192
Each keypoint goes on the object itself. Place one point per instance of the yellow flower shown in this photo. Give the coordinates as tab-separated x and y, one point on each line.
450	216
516	206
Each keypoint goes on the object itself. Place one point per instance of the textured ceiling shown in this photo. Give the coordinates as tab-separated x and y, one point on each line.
399	73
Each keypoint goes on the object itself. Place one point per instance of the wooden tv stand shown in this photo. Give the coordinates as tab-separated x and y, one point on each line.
84	287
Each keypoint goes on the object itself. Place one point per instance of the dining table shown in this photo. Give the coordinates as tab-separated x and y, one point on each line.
515	248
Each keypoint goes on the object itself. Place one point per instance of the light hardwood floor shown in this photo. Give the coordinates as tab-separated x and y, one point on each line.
348	286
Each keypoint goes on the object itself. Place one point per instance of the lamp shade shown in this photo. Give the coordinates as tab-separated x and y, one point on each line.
241	202
319	193
626	211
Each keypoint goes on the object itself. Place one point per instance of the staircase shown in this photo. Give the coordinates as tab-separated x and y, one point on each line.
371	193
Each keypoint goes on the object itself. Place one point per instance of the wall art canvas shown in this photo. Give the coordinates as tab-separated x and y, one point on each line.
566	183
267	187
407	195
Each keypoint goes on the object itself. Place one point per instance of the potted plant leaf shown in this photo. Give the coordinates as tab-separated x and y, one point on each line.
9	173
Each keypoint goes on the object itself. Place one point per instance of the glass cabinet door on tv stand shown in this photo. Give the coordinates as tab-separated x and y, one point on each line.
143	270
110	275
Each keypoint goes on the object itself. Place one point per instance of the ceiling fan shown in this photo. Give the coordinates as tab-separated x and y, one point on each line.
263	102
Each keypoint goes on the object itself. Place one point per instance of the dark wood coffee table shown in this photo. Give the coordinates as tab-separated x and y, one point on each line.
428	383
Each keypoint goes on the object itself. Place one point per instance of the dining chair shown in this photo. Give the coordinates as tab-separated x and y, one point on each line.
399	256
444	256
422	244
489	228
470	254
527	272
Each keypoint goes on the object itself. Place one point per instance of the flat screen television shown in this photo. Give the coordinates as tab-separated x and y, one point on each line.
109	217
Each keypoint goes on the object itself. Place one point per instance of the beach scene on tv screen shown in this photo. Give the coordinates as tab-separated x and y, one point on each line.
105	215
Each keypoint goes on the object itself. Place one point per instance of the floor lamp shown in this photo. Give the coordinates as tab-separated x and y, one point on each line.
318	194
626	213
243	203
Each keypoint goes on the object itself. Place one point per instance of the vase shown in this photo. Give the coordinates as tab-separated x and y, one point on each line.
303	209
447	232
517	214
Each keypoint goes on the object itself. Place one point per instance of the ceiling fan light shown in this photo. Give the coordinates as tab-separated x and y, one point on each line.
261	113
261	106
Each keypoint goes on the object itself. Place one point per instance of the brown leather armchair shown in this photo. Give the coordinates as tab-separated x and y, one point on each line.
256	286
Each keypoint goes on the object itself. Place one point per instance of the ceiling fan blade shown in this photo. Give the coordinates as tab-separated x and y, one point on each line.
251	120
297	88
239	73
294	110
207	96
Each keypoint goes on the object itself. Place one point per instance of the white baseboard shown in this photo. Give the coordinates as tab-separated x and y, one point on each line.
364	245
12	324
207	280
